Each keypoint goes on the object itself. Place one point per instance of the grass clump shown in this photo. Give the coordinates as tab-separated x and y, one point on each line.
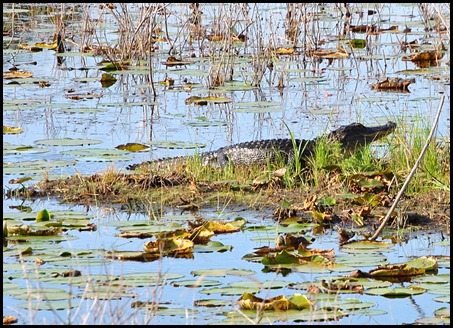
325	158
434	170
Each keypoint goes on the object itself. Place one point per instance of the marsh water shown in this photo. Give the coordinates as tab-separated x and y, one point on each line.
64	135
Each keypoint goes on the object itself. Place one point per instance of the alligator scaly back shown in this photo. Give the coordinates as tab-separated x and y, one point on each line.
351	137
246	153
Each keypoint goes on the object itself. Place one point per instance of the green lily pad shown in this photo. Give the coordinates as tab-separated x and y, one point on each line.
365	245
106	293
43	294
189	72
34	167
206	123
212	303
94	152
71	214
397	292
177	144
259	104
348	304
43	238
49	305
22	149
428	263
196	283
297	227
176	312
268	284
442	299
212	246
361	259
254	109
222	272
436	289
83	110
67	142
310	80
229	290
433	321
22	104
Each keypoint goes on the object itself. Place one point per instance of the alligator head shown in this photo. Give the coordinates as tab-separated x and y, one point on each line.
355	136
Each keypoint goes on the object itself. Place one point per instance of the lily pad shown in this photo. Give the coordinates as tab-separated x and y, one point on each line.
33	167
83	110
67	142
99	154
49	305
106	293
268	284
367	245
222	272
177	145
229	290
212	302
55	238
212	246
43	294
176	312
206	123
22	149
397	292
196	283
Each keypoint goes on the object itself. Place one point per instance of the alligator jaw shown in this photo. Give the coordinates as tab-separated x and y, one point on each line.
355	136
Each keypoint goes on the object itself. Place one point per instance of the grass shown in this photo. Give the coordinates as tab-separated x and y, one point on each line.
434	170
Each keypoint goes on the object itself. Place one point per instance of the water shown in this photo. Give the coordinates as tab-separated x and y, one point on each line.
415	307
309	109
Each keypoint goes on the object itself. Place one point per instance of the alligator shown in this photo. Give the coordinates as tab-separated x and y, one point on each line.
351	138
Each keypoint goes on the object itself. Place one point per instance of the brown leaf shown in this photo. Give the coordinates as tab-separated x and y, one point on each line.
285	51
364	211
393	84
16	75
83	96
363	28
431	55
339	285
173	61
309	202
9	319
250	302
330	54
279	173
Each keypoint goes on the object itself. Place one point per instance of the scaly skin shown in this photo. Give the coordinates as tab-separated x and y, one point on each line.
352	137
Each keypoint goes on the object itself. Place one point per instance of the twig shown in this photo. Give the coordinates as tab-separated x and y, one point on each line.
411	174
